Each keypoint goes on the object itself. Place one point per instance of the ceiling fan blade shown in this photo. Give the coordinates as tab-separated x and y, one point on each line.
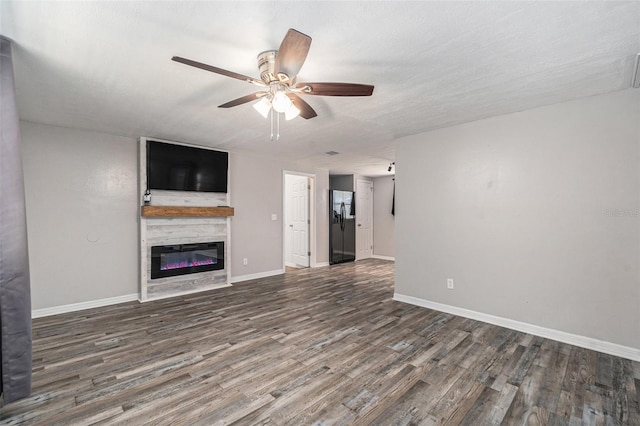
337	89
243	100
291	55
305	109
217	70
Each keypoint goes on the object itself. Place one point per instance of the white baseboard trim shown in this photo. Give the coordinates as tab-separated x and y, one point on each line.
55	310
185	293
377	256
548	333
248	277
320	264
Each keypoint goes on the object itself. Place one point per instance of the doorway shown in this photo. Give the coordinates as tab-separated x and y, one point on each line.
364	219
297	220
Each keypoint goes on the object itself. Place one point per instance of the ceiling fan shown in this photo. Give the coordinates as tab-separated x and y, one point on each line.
280	90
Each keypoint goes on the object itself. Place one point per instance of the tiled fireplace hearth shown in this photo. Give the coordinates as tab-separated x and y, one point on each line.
180	231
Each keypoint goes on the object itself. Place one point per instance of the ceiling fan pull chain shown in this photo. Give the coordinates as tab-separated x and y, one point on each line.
277	125
271	116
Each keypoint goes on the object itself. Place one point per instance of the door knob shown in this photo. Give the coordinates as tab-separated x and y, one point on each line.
291	225
359	224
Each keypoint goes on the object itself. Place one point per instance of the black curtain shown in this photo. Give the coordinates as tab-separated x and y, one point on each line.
393	201
15	292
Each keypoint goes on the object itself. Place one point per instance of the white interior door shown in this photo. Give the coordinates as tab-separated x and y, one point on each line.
298	219
364	219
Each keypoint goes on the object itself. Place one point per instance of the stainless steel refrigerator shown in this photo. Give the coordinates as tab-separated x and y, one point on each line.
342	226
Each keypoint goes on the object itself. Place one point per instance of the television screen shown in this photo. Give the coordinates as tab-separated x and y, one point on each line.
186	168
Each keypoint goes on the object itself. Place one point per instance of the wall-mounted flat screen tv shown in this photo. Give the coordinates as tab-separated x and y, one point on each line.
185	168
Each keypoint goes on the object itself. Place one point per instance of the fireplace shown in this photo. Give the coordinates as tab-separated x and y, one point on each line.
181	259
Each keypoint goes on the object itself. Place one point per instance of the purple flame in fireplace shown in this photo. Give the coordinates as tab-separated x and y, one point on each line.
187	264
185	260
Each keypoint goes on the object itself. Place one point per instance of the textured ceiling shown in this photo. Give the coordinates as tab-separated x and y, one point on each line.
106	66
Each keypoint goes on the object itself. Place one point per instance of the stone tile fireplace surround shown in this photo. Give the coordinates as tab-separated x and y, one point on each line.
176	217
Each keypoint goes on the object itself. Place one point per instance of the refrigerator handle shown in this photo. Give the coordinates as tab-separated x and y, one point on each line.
343	213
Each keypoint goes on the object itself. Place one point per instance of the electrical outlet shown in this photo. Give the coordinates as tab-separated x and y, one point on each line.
245	261
274	216
450	283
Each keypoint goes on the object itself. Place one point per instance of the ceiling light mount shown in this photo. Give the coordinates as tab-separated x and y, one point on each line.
266	65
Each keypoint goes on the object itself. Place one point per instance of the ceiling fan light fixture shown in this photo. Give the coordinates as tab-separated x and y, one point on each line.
279	82
263	106
291	112
281	102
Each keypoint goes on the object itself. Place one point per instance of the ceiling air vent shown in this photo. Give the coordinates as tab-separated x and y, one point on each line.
636	73
332	153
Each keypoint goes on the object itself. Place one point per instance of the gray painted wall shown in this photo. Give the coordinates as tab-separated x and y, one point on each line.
82	214
83	205
256	193
383	220
533	214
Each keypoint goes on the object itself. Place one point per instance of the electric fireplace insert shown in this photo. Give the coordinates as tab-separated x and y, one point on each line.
181	259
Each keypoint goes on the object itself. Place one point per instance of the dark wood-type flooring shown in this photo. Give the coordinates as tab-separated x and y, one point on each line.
314	346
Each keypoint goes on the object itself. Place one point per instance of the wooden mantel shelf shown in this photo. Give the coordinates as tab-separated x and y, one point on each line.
180	211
